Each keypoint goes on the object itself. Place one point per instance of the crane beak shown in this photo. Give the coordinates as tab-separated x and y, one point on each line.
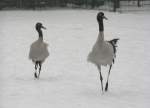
105	18
43	27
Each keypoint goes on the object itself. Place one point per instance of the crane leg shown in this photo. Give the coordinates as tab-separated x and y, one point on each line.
101	78
106	87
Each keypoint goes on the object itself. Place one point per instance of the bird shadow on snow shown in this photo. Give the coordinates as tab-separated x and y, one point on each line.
122	94
51	79
47	79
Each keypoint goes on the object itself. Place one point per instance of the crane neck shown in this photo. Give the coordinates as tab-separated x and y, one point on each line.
101	25
40	33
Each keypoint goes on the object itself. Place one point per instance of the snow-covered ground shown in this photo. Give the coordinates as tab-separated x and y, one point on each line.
67	79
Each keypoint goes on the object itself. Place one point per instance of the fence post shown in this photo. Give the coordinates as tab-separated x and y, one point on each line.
138	3
116	4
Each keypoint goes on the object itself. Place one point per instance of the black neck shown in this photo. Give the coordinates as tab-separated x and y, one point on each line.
40	33
101	26
100	22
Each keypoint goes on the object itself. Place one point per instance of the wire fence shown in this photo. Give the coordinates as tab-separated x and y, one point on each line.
109	5
126	5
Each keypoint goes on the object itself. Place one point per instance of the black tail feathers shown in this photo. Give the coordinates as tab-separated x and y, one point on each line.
113	42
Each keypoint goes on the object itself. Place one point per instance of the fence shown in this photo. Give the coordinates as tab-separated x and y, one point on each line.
49	3
111	5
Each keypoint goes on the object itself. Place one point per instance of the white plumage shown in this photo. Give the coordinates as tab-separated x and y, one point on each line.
38	51
102	52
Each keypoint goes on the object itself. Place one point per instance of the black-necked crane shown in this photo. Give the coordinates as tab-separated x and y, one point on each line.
38	50
103	52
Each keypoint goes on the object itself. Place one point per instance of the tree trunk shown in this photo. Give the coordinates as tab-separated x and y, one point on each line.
138	3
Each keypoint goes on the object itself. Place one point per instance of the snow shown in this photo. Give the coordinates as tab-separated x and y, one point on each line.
67	80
